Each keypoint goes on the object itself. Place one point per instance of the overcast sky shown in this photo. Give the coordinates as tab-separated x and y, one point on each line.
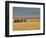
26	12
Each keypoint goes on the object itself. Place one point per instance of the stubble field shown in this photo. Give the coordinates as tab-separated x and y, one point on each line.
26	26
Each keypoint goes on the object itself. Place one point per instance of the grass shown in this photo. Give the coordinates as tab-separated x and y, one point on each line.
34	24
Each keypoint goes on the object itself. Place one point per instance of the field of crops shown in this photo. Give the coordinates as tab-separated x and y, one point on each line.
34	24
26	26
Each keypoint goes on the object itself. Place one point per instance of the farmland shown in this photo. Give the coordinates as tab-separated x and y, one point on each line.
26	24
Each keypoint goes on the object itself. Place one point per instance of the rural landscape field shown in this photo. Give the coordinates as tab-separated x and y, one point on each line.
25	18
26	23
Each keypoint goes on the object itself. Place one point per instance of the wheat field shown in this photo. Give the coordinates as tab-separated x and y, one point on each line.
26	26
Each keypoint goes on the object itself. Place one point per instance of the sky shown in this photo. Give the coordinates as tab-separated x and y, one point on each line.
26	12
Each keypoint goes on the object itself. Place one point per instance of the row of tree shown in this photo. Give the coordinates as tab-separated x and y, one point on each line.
22	20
